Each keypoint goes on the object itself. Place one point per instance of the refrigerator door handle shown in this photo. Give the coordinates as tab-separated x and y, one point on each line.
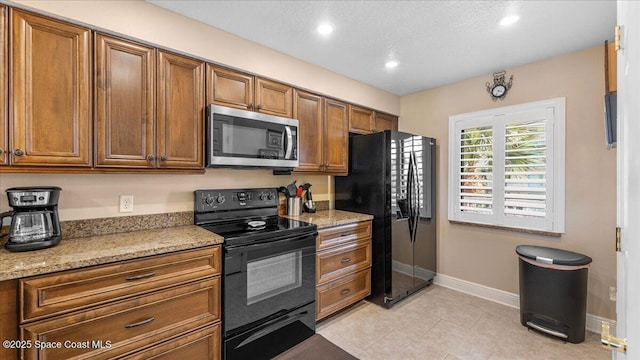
411	197
415	193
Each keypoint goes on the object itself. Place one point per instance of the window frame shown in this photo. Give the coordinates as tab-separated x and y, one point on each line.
498	118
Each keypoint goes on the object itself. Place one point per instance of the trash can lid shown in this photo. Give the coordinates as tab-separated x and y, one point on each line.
552	256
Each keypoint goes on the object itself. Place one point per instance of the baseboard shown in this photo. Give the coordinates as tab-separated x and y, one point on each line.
593	322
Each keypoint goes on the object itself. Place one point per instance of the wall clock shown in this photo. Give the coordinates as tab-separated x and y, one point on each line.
499	88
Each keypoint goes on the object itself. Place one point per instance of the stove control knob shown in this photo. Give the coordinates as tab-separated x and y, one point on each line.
209	200
263	197
220	199
271	196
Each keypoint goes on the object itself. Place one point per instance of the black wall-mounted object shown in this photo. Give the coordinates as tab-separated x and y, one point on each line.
611	119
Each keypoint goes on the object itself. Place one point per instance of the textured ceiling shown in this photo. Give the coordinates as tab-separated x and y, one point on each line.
434	42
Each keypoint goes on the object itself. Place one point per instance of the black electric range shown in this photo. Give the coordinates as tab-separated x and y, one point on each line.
269	271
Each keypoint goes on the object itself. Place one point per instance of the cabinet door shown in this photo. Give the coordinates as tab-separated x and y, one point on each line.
229	88
180	111
125	112
273	98
4	136
336	147
360	120
51	91
385	122
307	109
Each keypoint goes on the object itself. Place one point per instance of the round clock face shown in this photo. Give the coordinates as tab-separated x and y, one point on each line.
498	90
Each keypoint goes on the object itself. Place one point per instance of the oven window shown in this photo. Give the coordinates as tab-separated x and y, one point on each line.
271	276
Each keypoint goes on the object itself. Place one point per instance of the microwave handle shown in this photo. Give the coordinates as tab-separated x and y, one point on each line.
288	142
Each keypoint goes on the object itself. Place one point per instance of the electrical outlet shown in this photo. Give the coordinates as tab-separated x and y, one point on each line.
126	203
612	293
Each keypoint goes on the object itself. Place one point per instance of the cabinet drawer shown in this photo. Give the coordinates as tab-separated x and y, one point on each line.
126	326
338	261
340	235
67	291
200	345
345	291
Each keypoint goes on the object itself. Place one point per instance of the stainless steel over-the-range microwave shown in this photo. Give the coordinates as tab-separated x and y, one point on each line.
241	138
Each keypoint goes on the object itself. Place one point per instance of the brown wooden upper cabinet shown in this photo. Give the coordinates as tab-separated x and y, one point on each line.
50	106
307	109
180	111
236	89
385	122
131	131
323	133
4	136
125	103
366	121
336	150
360	120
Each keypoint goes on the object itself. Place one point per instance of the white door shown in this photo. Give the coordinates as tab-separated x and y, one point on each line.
628	312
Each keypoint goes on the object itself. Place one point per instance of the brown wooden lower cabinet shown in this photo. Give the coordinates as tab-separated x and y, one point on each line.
163	307
126	326
343	292
343	267
202	344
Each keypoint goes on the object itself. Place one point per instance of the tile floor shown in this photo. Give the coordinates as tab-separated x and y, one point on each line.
442	324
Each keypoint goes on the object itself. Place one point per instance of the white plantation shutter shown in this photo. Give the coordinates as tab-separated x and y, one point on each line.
525	190
506	166
476	170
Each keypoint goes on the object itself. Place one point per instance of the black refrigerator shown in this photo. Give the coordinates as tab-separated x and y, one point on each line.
392	177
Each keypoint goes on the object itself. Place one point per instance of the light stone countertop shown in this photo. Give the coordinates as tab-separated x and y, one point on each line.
328	218
95	250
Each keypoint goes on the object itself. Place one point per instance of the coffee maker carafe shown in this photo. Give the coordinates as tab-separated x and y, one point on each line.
34	219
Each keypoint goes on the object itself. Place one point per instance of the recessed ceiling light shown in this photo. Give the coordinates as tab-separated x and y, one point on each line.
391	64
509	20
325	28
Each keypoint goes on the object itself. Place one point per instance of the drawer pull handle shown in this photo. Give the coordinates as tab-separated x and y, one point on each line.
141	276
345	260
345	291
139	323
345	234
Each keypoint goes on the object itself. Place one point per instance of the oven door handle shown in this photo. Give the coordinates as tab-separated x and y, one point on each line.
273	243
275	325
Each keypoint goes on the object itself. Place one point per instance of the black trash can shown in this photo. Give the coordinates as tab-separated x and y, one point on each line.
553	291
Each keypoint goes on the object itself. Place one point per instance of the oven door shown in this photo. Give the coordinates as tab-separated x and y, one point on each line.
248	139
264	281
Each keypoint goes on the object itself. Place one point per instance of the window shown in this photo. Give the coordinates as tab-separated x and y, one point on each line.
506	166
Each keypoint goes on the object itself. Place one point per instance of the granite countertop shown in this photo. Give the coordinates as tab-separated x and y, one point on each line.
94	250
328	218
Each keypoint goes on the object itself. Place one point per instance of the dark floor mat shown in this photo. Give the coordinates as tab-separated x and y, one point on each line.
315	348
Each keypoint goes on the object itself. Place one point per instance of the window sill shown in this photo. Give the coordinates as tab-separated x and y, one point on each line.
526	231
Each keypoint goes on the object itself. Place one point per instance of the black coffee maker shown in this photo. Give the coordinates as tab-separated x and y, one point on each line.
34	219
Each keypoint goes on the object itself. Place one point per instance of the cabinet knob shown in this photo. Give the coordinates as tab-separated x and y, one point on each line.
150	157
1	151
164	158
18	152
250	106
259	107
